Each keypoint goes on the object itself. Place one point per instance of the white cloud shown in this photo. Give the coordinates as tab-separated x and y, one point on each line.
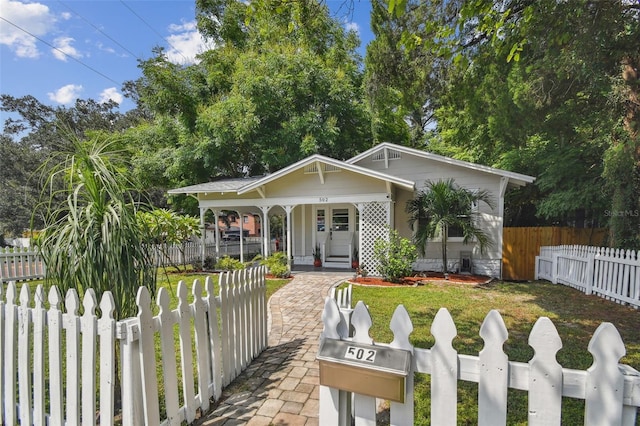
185	44
63	44
352	26
34	18
66	95
111	94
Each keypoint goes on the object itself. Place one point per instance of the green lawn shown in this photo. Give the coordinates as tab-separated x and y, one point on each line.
575	315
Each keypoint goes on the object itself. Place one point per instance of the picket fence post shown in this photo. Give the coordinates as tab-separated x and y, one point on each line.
444	370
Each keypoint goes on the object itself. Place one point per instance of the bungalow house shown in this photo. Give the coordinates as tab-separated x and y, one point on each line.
342	207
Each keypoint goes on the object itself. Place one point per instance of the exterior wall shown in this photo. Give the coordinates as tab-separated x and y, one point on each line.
335	183
420	170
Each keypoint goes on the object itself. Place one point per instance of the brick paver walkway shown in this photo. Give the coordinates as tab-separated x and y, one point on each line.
280	387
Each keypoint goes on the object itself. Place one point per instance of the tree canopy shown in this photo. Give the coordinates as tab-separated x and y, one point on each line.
542	87
282	82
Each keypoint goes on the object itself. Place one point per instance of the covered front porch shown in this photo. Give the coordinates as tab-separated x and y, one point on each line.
325	205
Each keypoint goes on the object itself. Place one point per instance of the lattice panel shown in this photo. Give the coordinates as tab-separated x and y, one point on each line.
374	219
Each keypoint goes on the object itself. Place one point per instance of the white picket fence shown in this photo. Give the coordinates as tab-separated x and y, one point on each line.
59	365
24	263
20	263
611	391
613	274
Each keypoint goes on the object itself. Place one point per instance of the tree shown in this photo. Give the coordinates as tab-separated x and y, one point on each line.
32	133
165	228
545	88
92	239
283	82
402	84
441	206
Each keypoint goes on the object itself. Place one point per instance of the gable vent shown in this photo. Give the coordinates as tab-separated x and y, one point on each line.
392	154
327	168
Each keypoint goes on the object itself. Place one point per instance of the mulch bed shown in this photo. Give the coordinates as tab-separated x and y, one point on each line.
424	278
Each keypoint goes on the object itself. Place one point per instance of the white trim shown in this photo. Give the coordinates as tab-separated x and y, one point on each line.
407	184
516	178
259	202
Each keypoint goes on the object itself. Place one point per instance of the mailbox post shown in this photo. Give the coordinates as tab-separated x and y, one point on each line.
377	371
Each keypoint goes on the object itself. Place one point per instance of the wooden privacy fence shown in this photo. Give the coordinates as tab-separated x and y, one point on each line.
613	274
611	391
520	246
59	365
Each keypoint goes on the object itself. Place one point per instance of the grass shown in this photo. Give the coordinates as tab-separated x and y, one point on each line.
575	315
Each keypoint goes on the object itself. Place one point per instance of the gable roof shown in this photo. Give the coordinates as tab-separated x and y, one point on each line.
317	158
244	185
514	178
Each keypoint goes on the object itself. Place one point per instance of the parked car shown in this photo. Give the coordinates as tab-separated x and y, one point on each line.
232	237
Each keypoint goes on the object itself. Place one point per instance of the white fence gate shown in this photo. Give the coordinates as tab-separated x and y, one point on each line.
613	274
59	365
611	391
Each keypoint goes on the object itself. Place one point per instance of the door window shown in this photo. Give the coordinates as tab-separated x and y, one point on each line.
340	219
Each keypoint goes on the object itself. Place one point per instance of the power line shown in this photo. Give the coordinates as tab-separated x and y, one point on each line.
99	30
61	51
154	30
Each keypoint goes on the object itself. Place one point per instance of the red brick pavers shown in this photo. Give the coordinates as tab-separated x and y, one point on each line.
280	387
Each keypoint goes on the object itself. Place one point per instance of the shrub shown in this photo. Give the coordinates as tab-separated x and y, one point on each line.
277	264
227	263
395	257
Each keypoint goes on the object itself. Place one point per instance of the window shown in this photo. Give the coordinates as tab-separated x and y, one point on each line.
245	219
320	220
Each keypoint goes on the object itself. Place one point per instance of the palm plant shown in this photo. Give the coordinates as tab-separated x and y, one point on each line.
92	238
441	206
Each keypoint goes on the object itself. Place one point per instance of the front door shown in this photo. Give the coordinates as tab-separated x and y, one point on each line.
340	231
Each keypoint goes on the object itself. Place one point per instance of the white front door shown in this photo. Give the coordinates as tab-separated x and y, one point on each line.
340	227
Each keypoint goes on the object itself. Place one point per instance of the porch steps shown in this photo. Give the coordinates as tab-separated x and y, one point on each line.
337	262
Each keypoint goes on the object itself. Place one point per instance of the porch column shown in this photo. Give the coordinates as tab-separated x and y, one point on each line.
217	231
203	236
241	217
265	230
288	210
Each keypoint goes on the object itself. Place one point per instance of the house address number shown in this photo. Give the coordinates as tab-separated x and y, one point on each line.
323	199
360	354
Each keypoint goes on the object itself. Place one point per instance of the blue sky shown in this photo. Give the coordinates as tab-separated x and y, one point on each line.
58	51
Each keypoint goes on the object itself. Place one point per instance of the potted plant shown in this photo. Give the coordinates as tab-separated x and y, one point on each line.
317	256
354	259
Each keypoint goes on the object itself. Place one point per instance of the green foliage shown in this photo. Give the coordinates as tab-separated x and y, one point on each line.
282	83
227	263
165	228
395	256
317	253
277	264
533	87
32	133
441	206
92	238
